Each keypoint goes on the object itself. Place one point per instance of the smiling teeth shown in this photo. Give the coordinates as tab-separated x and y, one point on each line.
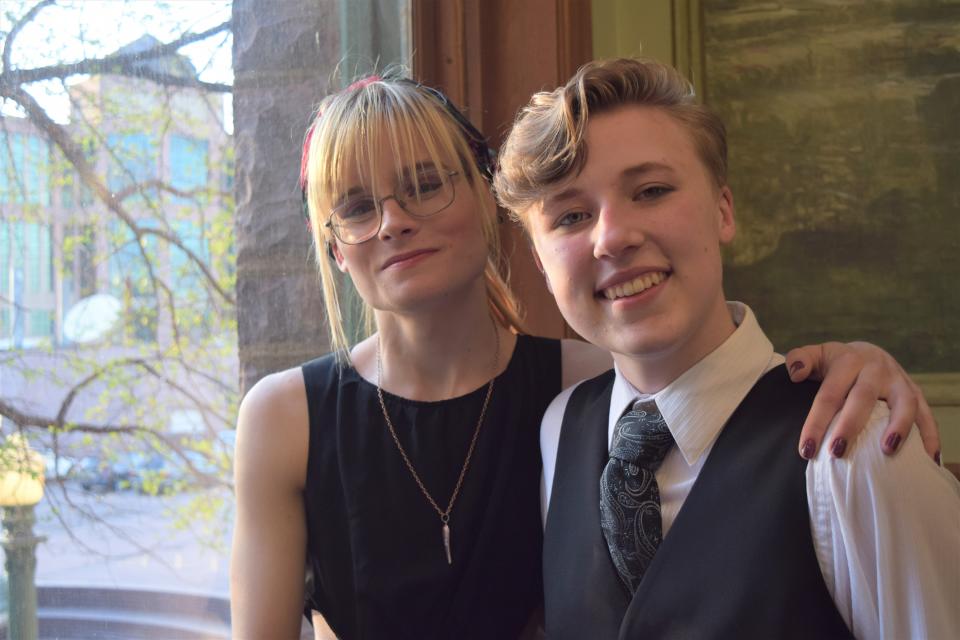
635	286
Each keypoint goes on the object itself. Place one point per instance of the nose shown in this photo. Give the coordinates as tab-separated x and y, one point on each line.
617	231
395	220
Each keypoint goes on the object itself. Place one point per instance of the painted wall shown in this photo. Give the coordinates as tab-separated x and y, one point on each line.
844	125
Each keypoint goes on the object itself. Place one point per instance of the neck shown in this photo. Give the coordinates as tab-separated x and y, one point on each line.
440	353
651	372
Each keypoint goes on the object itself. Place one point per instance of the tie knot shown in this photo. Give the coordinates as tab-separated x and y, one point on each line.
641	436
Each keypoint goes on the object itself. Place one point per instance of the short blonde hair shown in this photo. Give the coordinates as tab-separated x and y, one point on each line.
352	126
546	145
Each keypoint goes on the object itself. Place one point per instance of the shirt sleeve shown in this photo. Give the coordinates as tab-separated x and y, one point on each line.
549	443
887	535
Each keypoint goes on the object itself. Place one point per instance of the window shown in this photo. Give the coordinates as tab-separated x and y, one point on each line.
7	305
188	167
134	162
38	259
26	287
131	281
24	164
79	267
136	510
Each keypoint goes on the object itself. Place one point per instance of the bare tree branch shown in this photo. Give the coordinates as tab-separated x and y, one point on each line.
26	420
181	370
117	63
74	154
134	189
171	80
60	421
15	31
31	420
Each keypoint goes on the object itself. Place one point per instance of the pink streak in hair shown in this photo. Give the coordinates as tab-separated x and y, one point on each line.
305	152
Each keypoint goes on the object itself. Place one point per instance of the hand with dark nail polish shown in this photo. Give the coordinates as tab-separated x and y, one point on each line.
893	441
838	447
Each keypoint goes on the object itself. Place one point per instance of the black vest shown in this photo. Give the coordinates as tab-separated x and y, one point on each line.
739	560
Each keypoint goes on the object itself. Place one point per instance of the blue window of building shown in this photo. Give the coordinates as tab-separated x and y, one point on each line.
130	280
186	275
128	271
134	161
38	258
40	323
188	174
6	284
5	256
24	169
37	165
12	186
66	192
188	166
26	271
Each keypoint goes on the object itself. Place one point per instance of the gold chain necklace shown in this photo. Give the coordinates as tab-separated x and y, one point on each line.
444	514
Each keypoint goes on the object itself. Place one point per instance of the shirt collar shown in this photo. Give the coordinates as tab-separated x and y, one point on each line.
698	403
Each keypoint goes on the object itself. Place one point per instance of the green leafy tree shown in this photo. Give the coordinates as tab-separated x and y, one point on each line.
128	196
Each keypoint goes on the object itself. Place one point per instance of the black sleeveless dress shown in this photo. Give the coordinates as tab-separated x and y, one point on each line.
375	547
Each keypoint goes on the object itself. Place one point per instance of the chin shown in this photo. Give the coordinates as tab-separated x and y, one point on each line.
432	290
640	338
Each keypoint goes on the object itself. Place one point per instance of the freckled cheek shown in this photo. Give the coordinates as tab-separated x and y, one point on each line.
557	258
569	272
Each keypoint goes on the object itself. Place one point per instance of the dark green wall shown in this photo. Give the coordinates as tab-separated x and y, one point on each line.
844	127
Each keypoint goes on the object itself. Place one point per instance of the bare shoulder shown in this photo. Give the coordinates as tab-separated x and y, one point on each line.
273	426
270	532
581	360
276	393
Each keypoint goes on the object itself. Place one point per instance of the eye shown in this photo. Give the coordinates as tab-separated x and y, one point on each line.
427	185
357	210
651	192
571	218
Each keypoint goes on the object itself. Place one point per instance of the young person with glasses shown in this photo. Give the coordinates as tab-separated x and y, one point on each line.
404	471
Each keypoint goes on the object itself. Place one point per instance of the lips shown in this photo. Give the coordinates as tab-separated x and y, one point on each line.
634	286
404	257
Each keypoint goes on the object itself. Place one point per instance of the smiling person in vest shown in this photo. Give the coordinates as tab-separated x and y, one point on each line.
677	506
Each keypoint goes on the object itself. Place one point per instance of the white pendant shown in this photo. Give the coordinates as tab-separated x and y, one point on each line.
446	542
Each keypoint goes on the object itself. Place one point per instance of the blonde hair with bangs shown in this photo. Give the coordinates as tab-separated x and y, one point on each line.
352	126
546	143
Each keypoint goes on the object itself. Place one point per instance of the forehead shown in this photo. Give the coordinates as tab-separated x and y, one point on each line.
637	134
385	156
625	144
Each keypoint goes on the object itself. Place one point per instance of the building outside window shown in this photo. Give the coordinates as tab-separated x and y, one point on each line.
117	314
118	296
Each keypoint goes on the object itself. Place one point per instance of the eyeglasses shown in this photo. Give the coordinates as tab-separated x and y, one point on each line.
359	218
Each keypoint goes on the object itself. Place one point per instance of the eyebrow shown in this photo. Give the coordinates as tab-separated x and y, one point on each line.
406	173
645	167
351	192
629	172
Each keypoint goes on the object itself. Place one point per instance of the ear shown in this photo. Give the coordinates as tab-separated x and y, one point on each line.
536	259
333	249
727	225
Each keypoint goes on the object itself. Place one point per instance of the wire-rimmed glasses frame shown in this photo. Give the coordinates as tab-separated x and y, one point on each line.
360	218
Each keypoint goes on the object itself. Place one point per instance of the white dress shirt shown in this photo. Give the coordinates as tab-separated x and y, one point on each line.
886	530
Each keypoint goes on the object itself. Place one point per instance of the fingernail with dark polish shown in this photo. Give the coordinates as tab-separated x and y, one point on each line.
936	458
806	452
838	447
893	441
796	366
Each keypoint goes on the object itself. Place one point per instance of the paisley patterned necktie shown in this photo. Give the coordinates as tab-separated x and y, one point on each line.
629	495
